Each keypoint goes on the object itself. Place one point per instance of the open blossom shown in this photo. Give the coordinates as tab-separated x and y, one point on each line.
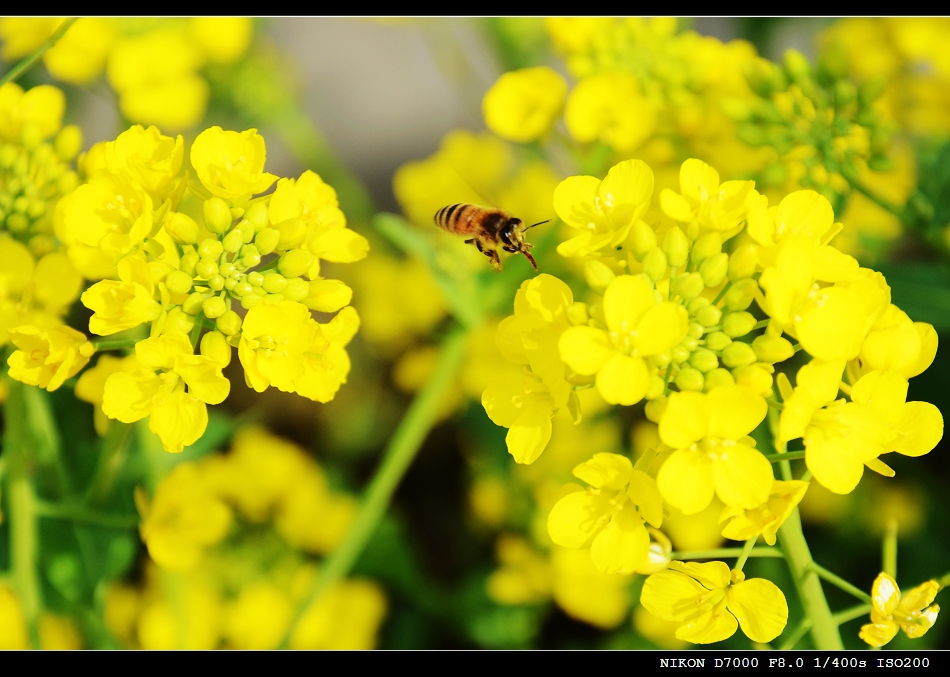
913	612
231	164
46	358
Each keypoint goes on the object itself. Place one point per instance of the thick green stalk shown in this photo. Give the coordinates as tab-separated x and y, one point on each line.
402	448
25	64
110	456
21	505
824	629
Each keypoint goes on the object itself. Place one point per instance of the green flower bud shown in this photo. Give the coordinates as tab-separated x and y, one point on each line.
718	378
717	341
687	285
832	63
68	142
250	256
655	387
178	282
295	263
249	301
654	264
233	241
695	330
41	245
292	233
215	346
642	238
229	283
257	215
214	307
676	247
689	379
708	316
706	245
210	249
266	240
226	269
661	360
577	314
274	282
738	323
217	215
772	349
178	320
654	409
229	323
181	228
713	269
696	304
206	268
871	90
797	66
247	231
738	354
680	354
193	303
255	279
704	360
598	275
216	282
242	288
743	261
845	93
741	294
155	248
274	298
297	289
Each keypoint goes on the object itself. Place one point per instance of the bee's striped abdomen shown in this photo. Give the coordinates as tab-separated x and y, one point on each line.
458	218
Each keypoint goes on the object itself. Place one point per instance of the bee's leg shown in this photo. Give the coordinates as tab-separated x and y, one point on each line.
495	260
470	241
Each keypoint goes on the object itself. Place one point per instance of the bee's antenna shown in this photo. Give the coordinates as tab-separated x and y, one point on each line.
539	223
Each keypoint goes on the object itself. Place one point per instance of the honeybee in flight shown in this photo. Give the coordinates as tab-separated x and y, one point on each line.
489	229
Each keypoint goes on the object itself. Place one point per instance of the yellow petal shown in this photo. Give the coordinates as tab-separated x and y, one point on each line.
127	396
832	461
686	481
626	191
574	202
743	476
735	411
626	299
686	419
675	206
531	432
179	421
577	518
878	634
920	428
919	597
698	181
611	471
623	545
712	626
585	349
671	595
662	327
712	575
760	607
885	595
623	380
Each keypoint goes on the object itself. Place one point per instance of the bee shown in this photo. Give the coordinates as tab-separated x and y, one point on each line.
489	228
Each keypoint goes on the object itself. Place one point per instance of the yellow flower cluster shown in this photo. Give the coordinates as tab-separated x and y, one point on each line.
693	305
153	65
205	592
181	274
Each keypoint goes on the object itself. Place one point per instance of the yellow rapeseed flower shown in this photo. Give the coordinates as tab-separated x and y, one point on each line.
523	105
46	358
913	612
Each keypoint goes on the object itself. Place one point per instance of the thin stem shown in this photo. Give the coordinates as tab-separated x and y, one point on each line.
83	515
839	582
824	630
761	324
21	505
796	636
787	456
112	344
110	454
944	580
851	613
720	553
26	63
401	450
744	555
196	330
889	549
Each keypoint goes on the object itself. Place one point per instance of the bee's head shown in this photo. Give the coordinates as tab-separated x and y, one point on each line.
512	235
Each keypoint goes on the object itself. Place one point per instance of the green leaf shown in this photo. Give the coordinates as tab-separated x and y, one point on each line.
922	290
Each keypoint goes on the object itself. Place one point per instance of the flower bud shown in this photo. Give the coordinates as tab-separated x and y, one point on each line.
695	330
233	241
655	387
229	323
181	228
742	262
155	248
741	294
660	360
178	320
687	285
266	240
247	231
598	275
217	215
717	340
295	263
242	288
713	269
68	142
708	316
206	268
216	282
274	282
654	264
706	245
689	379
676	247
214	307
178	282
643	239
680	353
755	377
738	323
297	289
772	349
704	359
796	65
215	346
256	214
718	378
209	248
738	354
193	303
292	233
654	409
250	256
249	301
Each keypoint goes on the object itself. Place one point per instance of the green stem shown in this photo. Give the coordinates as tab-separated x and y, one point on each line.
112	344
110	455
196	330
744	555
401	450
83	515
889	549
824	630
761	324
944	580
851	613
21	503
720	553
796	636
26	63
839	582
787	456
